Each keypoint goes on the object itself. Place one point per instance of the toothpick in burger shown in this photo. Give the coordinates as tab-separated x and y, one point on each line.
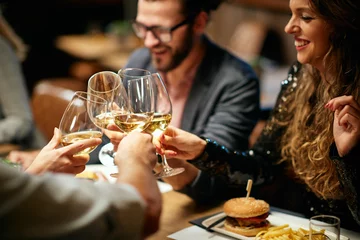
246	216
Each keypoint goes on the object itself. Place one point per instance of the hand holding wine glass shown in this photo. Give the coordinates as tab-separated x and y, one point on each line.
181	144
51	158
160	121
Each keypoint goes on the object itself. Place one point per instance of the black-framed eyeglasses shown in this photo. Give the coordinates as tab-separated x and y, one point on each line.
164	34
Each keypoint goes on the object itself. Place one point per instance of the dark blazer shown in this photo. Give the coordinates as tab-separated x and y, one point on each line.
223	103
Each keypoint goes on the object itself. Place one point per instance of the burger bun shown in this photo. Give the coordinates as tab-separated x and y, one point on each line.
245	207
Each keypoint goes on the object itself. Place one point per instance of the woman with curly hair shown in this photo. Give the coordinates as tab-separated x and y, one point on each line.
308	150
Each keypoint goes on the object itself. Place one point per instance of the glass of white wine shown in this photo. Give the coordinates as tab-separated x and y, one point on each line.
134	110
160	121
106	84
78	120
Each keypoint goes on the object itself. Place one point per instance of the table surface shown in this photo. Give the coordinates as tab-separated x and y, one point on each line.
178	210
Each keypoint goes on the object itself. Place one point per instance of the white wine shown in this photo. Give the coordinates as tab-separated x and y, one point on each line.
158	124
104	119
133	121
77	136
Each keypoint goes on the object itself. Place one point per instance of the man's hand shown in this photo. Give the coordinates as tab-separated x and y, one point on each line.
135	159
136	147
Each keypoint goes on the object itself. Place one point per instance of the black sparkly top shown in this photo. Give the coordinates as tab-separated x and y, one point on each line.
277	184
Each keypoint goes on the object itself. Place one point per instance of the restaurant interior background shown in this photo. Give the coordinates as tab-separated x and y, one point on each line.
67	38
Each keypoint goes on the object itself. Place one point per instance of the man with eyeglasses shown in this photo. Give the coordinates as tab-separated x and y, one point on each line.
214	94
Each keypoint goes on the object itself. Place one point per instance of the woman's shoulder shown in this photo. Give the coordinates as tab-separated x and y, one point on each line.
294	69
292	75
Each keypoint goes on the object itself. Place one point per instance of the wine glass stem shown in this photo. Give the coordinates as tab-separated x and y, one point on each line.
166	167
164	163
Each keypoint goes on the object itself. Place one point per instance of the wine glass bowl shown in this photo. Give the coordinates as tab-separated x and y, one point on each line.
107	85
79	119
134	109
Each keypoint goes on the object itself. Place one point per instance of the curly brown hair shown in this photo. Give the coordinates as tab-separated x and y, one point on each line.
309	134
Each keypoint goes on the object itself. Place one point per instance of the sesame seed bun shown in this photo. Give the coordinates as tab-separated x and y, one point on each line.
245	207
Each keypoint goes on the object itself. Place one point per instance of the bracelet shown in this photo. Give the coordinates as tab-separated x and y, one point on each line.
204	155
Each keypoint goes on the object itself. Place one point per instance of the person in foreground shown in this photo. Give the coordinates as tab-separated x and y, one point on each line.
59	206
311	142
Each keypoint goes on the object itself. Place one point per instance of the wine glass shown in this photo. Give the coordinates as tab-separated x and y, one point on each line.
78	121
106	84
160	121
324	227
134	110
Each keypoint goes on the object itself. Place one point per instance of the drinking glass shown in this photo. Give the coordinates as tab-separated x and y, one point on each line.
106	84
134	110
160	121
78	121
324	227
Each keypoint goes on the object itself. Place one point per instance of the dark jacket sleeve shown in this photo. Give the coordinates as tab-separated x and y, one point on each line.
348	169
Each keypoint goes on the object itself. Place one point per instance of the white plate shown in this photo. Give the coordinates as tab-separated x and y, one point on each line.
106	171
275	219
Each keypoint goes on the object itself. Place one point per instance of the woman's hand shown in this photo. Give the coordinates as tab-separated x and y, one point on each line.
181	144
346	127
62	159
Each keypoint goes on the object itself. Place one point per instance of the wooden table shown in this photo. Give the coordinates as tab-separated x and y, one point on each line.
178	210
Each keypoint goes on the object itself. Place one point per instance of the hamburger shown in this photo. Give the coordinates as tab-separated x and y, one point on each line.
246	216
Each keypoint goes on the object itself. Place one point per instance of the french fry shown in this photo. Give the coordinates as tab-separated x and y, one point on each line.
284	232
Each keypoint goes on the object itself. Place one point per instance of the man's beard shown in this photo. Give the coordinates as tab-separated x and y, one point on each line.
179	55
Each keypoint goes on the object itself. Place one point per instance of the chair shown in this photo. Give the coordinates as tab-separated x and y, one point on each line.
49	99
